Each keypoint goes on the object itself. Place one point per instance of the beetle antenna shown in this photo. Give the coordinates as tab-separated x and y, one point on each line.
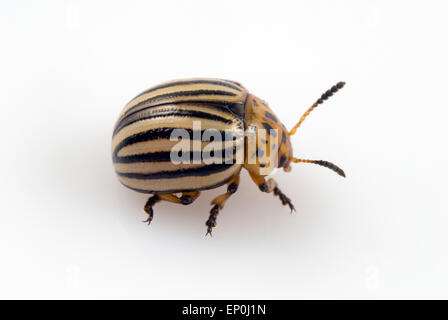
321	100
322	163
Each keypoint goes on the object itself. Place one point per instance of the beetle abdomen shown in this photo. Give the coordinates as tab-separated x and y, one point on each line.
142	148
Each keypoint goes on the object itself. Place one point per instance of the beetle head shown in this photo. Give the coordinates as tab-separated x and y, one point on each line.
258	116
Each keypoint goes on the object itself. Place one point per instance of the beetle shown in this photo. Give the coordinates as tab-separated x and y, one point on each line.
143	146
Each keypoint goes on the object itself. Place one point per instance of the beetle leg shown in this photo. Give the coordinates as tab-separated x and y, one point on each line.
218	203
271	186
148	207
186	198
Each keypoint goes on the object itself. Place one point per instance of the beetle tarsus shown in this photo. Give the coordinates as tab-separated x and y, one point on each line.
211	222
271	186
284	199
150	216
219	201
148	208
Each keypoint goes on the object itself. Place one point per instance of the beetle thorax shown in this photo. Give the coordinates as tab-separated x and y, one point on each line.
267	140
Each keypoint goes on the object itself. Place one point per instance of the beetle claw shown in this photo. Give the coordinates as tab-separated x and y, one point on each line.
148	220
291	206
148	208
150	212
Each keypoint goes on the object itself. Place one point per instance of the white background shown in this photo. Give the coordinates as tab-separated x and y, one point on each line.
68	229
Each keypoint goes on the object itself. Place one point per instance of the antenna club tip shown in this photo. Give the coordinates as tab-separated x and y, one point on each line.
340	84
327	94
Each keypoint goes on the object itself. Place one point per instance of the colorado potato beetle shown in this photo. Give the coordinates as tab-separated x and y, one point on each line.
184	136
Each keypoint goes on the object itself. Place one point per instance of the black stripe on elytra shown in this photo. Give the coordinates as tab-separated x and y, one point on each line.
166	113
234	82
283	137
166	156
182	94
271	116
180	190
234	108
191	172
165	133
268	127
184	82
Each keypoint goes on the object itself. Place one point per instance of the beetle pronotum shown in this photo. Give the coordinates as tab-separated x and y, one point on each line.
244	127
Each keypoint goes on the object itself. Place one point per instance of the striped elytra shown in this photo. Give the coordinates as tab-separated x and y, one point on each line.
210	114
141	144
